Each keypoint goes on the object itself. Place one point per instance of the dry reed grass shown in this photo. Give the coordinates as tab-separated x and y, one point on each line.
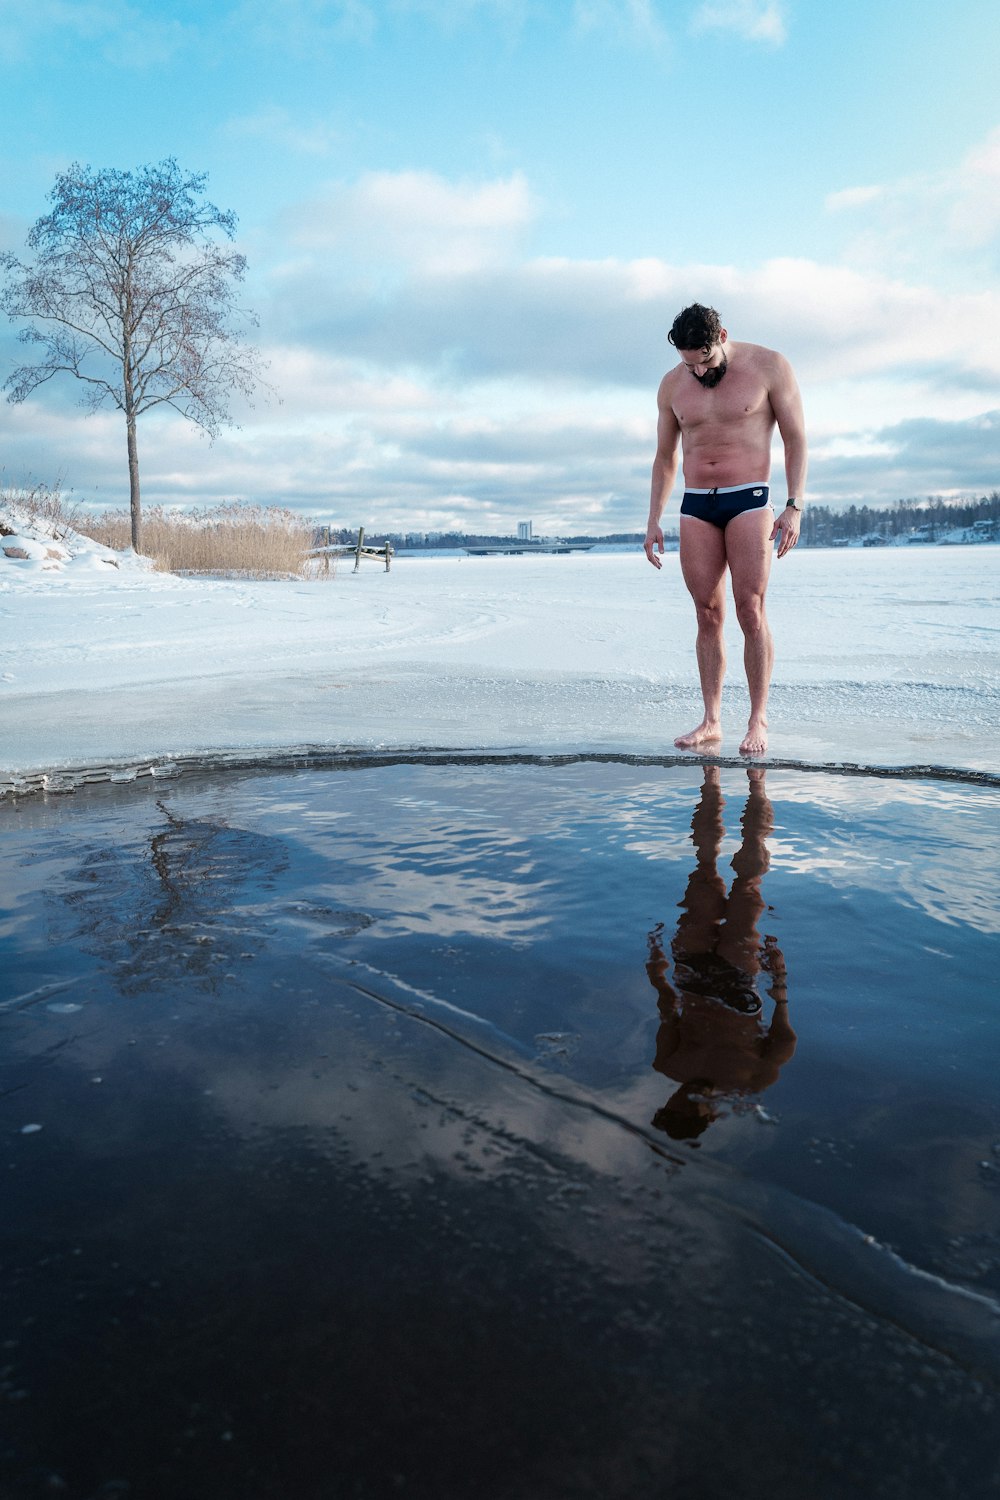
250	541
44	503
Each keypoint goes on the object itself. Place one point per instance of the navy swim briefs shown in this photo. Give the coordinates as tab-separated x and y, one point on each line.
721	505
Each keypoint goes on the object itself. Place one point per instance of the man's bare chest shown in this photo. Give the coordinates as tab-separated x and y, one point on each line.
738	398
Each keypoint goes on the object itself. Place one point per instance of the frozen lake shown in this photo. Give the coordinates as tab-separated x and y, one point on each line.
417	1077
885	657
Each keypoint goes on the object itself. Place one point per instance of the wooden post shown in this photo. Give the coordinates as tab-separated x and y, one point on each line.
357	555
388	555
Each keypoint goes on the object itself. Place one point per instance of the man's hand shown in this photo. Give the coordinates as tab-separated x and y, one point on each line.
787	528
654	538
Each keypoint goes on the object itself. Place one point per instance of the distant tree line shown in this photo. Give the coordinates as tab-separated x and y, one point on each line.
821	526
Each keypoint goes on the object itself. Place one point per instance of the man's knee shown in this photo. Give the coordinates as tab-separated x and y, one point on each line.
711	614
750	613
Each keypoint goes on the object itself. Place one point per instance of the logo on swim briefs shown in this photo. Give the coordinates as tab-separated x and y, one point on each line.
758	492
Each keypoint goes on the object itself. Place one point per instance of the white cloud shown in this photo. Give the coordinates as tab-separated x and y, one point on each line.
432	369
848	198
314	385
846	321
754	20
478	375
975	210
470	458
491	315
911	460
930	217
538	377
418	219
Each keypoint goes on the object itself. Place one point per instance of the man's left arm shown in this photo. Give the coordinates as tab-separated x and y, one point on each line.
786	403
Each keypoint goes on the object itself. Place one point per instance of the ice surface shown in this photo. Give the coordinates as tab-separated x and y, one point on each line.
885	657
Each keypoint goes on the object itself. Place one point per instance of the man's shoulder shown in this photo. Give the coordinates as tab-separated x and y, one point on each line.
669	384
766	365
758	354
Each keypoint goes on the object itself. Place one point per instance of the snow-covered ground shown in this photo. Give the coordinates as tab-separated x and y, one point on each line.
884	657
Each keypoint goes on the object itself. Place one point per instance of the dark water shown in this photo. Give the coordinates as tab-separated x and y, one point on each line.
496	1131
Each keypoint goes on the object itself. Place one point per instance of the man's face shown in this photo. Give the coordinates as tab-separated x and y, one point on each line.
706	365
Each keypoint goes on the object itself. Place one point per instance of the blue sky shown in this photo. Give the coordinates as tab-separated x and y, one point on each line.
469	224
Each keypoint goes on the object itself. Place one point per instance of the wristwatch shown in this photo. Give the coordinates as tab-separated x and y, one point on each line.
793	504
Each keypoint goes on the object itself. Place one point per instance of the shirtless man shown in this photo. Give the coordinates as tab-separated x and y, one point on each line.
721	404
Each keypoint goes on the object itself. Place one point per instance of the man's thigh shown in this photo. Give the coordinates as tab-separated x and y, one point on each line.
749	549
703	559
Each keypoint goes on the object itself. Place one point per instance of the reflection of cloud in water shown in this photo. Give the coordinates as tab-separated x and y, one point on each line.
400	1084
402	1095
951	881
450	902
837	828
445	873
850	833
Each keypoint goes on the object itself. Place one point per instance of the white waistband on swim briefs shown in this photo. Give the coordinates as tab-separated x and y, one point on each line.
728	489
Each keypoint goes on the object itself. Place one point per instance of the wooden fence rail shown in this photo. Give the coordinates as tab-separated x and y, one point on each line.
348	549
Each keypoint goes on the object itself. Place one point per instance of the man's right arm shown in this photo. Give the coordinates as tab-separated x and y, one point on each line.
668	435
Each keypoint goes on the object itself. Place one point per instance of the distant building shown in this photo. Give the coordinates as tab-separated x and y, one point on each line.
524	531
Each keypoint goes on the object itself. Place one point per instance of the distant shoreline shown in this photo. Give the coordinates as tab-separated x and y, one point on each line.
907	523
600	546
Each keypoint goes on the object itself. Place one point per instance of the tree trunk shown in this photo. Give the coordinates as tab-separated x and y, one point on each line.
133	483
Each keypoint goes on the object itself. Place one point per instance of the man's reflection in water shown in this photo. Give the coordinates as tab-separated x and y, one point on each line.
713	1038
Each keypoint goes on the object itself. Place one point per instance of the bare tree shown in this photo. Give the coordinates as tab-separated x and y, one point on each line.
130	292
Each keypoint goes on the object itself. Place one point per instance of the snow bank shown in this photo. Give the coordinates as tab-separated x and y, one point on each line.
885	657
32	544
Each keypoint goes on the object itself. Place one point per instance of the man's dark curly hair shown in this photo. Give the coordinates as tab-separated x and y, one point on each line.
696	327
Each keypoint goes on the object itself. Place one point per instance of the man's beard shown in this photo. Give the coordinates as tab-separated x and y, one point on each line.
712	377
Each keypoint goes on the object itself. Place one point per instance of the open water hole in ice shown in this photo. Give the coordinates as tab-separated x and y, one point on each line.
503	1129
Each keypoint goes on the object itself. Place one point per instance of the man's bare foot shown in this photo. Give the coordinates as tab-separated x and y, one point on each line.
755	740
708	731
